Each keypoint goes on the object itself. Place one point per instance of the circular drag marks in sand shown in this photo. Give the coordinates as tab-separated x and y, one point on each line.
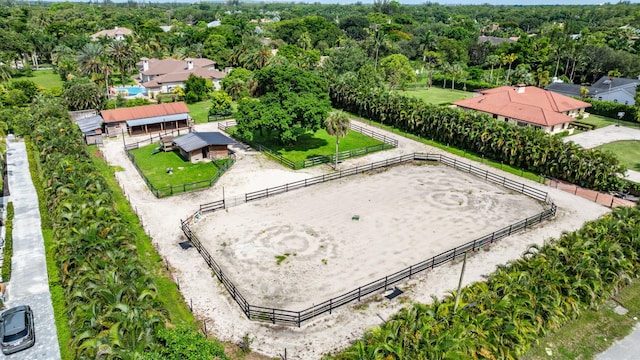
300	248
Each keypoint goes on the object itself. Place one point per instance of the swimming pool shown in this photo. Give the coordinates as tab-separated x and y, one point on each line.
131	90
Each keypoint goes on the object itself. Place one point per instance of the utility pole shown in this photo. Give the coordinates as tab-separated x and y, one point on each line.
464	265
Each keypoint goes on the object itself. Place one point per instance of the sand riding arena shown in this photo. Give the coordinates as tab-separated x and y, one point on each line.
290	257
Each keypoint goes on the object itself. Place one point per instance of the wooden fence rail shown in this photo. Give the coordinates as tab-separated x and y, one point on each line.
296	318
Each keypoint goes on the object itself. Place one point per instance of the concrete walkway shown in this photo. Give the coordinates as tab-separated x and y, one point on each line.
611	133
29	281
625	349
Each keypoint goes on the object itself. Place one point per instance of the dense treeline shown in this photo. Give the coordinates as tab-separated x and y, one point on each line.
113	305
522	147
520	302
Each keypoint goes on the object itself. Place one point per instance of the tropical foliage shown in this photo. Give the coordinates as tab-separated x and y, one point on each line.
291	101
112	302
522	147
519	303
7	251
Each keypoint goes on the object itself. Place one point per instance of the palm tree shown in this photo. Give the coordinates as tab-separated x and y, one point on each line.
492	60
92	62
337	124
508	59
123	56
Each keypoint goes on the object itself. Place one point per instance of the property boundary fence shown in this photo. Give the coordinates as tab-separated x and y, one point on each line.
387	143
296	318
608	199
154	137
178	189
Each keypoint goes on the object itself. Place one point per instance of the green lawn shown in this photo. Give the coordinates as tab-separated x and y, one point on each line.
601	121
154	167
627	151
199	111
45	78
437	95
314	145
593	332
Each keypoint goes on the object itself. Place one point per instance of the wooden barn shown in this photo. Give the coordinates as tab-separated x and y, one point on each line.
203	146
146	119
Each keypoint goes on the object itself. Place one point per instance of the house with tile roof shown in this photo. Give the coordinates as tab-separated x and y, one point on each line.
163	76
147	119
118	33
527	106
607	88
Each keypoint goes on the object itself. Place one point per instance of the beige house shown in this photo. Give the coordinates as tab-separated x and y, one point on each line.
203	146
118	33
527	106
163	76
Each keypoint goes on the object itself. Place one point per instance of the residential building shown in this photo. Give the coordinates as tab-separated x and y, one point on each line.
162	76
607	88
118	33
527	106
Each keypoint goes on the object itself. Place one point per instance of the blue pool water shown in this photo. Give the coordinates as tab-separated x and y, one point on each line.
131	90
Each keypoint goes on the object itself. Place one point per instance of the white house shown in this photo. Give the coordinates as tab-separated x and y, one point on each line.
163	76
118	33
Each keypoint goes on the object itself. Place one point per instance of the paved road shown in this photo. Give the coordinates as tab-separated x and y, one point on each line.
29	281
625	349
611	133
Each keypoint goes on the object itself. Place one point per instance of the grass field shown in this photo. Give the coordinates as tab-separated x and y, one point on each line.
318	144
200	111
601	121
45	78
593	332
154	167
627	151
437	95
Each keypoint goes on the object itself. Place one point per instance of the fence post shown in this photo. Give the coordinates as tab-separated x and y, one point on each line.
576	192
330	305
273	312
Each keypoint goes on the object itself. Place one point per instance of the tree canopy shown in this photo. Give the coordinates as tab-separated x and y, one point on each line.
290	101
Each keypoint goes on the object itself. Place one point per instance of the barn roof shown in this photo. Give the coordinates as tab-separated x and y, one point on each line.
90	124
198	140
143	112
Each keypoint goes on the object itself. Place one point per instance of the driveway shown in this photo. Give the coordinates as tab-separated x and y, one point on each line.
29	281
611	133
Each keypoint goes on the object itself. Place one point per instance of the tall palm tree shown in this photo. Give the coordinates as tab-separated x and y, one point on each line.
122	55
337	124
93	62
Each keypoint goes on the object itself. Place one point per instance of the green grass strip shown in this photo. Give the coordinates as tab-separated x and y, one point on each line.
55	286
452	150
8	244
168	292
593	332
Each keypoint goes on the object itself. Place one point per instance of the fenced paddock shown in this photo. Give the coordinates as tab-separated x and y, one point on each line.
341	240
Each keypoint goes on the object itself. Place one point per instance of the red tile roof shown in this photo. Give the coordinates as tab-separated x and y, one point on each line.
141	112
167	66
529	104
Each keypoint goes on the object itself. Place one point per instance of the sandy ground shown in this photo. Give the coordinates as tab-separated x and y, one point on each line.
407	214
330	333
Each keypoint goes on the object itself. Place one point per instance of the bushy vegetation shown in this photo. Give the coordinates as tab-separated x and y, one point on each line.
612	109
522	147
8	244
520	302
112	301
